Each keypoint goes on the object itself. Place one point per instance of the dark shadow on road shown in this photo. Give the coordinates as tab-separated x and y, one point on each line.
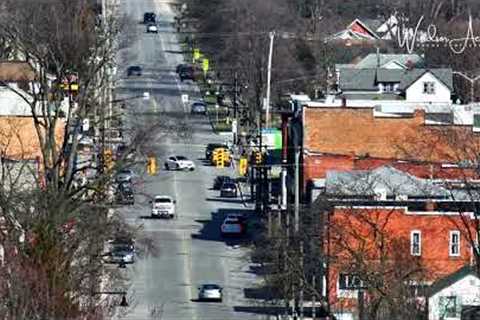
261	293
264	310
210	230
174	51
261	269
145	217
225	200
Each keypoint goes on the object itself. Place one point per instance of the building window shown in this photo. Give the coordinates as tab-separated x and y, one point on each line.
448	307
349	282
454	243
429	87
416	243
388	87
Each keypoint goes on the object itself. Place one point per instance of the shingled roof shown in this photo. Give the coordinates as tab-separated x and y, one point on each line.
16	71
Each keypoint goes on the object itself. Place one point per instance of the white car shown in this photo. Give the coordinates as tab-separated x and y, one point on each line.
179	163
163	207
232	226
210	292
152	28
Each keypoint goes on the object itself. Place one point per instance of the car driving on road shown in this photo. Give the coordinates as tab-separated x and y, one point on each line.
163	207
232	226
123	252
228	189
179	163
199	107
125	195
210	292
134	71
152	28
149	17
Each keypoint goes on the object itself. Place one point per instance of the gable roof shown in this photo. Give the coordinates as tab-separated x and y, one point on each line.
370	61
365	26
388	178
16	71
355	79
450	279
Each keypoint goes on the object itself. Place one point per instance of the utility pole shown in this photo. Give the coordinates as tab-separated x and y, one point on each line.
313	298
269	77
300	298
235	106
297	189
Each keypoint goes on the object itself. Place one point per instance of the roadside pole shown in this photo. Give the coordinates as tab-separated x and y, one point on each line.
269	76
297	189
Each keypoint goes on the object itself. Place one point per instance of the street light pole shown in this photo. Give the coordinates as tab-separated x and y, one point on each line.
269	76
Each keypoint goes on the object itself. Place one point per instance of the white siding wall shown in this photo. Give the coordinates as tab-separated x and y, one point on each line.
467	289
12	104
415	92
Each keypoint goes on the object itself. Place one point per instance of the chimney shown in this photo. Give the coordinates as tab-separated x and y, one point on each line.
344	102
419	116
378	57
430	206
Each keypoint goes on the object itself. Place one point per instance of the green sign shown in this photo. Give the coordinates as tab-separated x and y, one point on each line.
272	138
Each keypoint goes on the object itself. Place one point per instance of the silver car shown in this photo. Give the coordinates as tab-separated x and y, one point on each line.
211	292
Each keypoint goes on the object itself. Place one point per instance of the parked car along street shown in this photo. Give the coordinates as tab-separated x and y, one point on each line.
149	17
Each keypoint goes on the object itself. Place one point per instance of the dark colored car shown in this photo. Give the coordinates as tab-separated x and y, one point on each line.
220	180
199	107
149	17
228	190
134	71
181	67
187	74
125	195
212	146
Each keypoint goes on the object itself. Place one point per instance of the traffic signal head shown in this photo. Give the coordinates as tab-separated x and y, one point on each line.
258	157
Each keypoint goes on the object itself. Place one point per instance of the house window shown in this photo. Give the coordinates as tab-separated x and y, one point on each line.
448	307
388	87
454	243
476	120
349	282
429	87
416	243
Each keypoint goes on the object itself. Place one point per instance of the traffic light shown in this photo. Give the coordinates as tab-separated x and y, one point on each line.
258	157
221	158
151	165
108	159
243	166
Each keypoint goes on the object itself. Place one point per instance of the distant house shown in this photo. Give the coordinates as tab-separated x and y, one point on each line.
18	135
410	85
387	61
358	30
456	296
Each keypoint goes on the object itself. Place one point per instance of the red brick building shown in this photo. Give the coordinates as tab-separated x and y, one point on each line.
389	243
342	138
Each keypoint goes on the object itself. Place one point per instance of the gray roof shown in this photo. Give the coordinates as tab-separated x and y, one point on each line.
452	278
354	79
372	24
370	61
393	181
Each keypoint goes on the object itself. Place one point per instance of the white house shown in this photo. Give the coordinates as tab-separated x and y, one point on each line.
454	295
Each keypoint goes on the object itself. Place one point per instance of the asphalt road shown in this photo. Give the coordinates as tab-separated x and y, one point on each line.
189	250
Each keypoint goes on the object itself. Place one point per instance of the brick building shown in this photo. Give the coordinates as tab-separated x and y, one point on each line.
342	138
388	226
